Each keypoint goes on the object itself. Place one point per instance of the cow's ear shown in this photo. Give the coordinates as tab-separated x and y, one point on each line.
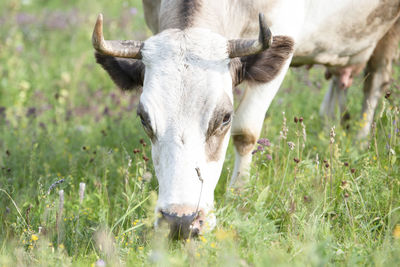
265	66
127	74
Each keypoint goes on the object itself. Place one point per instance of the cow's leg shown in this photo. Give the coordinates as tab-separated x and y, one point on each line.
377	75
248	121
333	96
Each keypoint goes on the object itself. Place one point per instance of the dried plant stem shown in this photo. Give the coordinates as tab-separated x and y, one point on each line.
16	207
59	217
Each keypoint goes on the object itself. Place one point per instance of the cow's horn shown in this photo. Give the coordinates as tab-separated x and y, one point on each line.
243	47
127	49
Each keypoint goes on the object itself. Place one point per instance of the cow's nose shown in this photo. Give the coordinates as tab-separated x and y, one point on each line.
182	226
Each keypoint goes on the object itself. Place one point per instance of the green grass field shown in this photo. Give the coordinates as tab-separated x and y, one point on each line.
62	118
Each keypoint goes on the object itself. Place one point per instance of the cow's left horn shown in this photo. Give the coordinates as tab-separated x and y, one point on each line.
243	47
127	49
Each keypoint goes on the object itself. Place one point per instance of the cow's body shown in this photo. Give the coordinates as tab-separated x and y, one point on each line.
339	34
188	70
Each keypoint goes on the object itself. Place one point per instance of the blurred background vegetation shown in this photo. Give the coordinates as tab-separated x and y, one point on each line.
62	119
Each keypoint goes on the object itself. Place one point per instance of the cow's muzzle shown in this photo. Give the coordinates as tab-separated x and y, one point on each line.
183	225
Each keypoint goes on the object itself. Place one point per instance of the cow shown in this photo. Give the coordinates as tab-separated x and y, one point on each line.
201	50
377	79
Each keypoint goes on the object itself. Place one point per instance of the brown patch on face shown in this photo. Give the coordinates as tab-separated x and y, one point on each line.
265	66
244	143
218	126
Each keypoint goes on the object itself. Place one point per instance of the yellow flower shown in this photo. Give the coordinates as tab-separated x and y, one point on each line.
61	246
221	234
213	245
203	239
396	232
34	237
140	248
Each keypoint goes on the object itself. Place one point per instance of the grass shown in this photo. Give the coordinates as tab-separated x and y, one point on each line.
327	202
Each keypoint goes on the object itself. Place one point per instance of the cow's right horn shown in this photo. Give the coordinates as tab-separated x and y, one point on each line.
247	47
127	49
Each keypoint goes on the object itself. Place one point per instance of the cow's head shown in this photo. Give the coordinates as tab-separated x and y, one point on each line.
186	107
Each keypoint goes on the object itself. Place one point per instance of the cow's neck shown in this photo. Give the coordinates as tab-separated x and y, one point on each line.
219	16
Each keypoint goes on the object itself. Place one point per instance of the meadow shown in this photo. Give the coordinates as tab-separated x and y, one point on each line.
77	187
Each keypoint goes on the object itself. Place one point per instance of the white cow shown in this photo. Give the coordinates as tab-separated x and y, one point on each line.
377	79
188	70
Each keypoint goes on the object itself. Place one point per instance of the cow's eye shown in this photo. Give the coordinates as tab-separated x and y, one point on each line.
146	124
227	119
142	121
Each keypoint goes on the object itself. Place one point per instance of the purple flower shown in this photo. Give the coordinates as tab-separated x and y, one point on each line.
100	263
133	10
254	152
264	142
269	157
260	148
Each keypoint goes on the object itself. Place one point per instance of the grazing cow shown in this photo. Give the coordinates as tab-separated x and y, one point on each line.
377	76
201	50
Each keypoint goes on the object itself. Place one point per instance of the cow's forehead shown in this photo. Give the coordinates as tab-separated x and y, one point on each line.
187	76
193	44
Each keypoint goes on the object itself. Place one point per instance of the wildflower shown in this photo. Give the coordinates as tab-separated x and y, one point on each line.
346	195
136	150
326	165
145	158
301	119
147	176
222	234
291	145
296	120
353	170
346	164
285	130
296	160
100	263
269	157
332	135
140	248
264	142
54	185
203	239
396	232
387	94
133	10
34	237
260	148
213	245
